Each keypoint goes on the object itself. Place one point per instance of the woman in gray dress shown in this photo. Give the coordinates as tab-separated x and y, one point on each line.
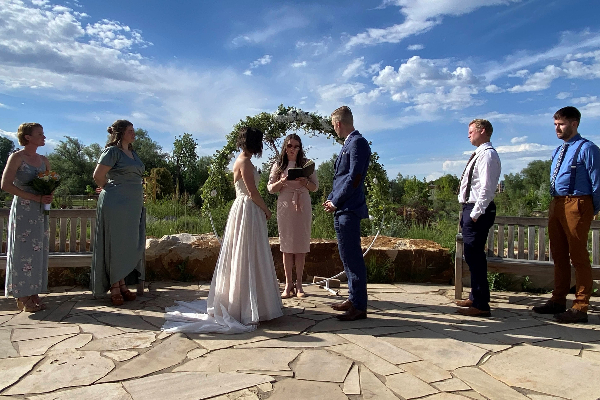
28	227
121	224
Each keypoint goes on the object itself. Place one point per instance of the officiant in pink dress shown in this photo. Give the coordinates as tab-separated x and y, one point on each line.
294	212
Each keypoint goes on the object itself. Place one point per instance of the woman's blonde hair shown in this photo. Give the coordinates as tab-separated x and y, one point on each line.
26	129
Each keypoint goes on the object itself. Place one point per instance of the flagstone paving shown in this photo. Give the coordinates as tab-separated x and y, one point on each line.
412	346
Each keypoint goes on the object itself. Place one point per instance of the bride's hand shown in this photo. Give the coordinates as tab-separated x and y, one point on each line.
268	214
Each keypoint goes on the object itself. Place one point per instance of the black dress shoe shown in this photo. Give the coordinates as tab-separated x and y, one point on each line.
550	308
571	316
343	306
352	314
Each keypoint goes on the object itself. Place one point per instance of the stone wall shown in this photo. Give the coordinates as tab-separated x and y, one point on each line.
193	257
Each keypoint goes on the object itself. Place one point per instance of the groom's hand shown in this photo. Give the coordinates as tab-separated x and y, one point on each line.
329	207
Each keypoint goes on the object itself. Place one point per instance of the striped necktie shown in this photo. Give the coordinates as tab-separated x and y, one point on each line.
559	161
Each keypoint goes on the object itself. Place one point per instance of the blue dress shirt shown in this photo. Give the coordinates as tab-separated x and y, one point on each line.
587	180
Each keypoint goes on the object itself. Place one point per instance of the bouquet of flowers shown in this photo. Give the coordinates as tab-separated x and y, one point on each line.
45	183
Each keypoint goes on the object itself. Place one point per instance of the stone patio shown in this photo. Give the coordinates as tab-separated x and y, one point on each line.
412	346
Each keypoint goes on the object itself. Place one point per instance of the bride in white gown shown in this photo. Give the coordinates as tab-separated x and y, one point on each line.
244	288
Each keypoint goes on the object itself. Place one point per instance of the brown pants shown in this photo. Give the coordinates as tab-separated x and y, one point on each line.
569	222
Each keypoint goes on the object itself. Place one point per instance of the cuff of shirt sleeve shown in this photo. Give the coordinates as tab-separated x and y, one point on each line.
475	214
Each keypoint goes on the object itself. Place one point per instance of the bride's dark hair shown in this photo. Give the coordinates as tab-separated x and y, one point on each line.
116	132
250	140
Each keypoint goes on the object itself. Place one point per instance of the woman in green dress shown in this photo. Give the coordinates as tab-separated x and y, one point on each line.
28	227
121	222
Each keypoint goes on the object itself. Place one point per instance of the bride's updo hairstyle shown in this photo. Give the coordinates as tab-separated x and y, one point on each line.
251	140
116	132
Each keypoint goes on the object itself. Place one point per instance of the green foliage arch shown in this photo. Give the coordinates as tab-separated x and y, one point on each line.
276	127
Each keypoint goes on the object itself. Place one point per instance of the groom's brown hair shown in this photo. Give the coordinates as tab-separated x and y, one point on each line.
343	115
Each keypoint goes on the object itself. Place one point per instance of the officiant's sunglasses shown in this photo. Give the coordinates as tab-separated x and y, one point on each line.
289	146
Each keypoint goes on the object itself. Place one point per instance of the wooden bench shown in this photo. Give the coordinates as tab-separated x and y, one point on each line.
531	257
74	230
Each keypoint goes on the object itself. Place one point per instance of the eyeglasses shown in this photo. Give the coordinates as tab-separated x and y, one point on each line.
291	146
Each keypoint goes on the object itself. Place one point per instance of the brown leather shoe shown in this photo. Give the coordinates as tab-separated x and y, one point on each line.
571	316
464	303
550	308
352	314
343	306
474	312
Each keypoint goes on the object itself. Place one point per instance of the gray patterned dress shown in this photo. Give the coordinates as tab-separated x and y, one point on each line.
27	244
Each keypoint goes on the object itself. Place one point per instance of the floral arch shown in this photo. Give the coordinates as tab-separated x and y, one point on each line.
276	127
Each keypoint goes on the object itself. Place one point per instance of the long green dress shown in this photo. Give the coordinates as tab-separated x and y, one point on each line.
120	238
28	232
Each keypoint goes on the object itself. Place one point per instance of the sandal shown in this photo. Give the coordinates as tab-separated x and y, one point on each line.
288	293
28	305
117	299
127	294
36	299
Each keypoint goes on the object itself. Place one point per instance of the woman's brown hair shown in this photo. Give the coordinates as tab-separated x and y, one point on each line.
116	132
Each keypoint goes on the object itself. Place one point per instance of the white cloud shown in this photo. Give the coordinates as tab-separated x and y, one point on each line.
456	98
248	72
414	47
11	135
524	148
264	60
104	49
583	100
591	110
563	95
493	89
299	64
355	68
366	97
274	24
518	139
420	16
567	50
337	92
539	81
423	72
3	105
519	74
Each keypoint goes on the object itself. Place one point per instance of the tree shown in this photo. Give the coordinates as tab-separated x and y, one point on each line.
397	189
149	151
75	163
184	163
160	183
7	146
325	173
416	192
445	203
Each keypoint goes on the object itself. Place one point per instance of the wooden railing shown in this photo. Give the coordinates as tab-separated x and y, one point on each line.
530	257
71	237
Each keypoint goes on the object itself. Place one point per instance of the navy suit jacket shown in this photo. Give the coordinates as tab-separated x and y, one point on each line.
348	193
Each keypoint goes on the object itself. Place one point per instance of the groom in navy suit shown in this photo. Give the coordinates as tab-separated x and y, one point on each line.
347	202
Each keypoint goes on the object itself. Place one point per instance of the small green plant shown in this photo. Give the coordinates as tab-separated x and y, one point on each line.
499	282
184	275
379	272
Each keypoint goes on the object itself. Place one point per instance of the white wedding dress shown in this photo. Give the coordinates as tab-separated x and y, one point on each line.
244	288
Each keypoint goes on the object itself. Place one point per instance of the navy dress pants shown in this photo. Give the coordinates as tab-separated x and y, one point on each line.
347	229
474	237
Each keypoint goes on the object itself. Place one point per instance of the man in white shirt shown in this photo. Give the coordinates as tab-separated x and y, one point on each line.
477	190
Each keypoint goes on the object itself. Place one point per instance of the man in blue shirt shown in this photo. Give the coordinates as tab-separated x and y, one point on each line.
575	187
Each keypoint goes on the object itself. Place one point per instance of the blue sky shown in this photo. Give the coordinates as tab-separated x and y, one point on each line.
414	72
